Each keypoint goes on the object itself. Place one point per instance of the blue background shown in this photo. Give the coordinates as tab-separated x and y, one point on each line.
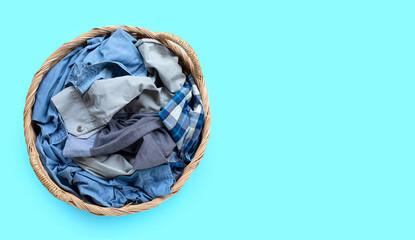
312	132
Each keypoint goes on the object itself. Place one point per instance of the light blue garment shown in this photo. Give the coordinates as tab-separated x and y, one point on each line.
44	112
75	147
143	185
87	75
116	56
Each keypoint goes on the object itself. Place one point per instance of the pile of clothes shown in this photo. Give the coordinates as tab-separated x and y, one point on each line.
118	120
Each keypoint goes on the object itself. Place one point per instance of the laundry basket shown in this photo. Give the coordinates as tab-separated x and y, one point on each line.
190	64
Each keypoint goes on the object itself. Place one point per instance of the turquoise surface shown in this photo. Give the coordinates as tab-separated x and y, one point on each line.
312	131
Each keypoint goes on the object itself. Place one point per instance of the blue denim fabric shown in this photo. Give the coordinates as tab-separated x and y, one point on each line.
141	186
75	147
89	74
116	56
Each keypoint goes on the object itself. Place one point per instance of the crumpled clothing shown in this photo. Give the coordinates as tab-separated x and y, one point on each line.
141	136
162	64
115	57
106	166
142	186
88	109
163	67
86	114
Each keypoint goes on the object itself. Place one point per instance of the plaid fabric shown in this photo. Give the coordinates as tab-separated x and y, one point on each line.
183	116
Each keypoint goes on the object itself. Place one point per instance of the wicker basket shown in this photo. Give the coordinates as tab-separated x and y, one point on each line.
190	64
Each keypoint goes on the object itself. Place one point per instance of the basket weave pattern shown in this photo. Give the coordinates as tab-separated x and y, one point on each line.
190	63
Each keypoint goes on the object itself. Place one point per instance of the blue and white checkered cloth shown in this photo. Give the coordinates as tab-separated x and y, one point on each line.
183	116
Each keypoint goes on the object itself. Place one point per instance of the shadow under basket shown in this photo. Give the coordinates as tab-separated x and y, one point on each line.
190	64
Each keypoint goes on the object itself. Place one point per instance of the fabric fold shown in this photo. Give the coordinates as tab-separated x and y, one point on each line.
115	57
127	143
161	63
85	114
183	116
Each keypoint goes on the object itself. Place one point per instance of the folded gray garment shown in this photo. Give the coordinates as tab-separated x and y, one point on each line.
163	67
109	166
85	114
138	141
161	63
106	166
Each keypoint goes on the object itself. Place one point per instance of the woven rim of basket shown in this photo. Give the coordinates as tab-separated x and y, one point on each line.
189	62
